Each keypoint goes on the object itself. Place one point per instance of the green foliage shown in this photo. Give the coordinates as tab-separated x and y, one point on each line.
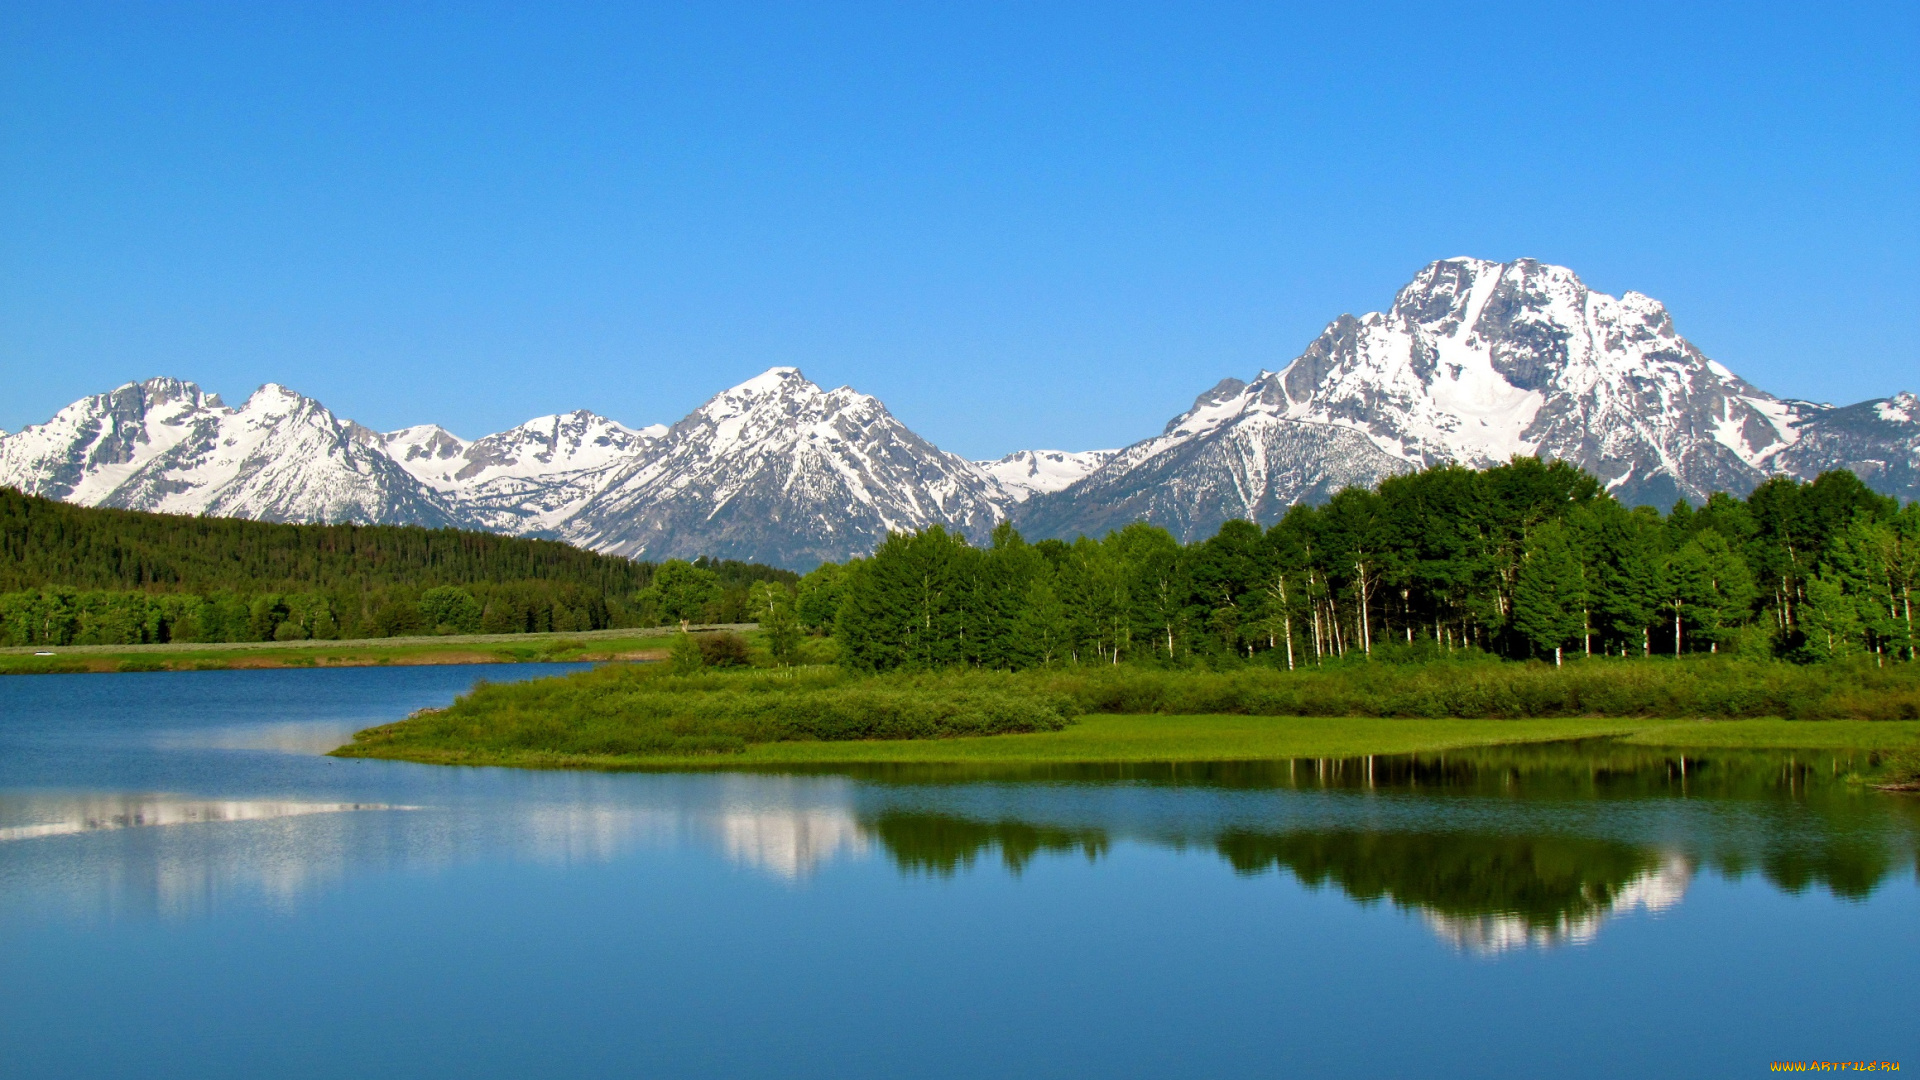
640	711
1471	687
45	542
451	609
817	603
1527	559
72	575
681	592
1550	591
779	625
684	656
722	650
1901	769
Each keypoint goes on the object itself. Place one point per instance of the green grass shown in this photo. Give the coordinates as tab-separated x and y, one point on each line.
1092	740
1107	739
646	717
1780	734
456	649
624	712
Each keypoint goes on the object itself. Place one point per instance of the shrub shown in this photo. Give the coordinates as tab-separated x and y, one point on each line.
1704	686
1902	770
725	649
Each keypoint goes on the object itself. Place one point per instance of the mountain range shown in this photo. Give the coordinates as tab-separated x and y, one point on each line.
1474	362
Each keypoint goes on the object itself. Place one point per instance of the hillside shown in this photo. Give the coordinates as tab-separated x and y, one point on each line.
84	575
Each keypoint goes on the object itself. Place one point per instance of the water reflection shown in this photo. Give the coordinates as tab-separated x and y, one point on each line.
65	816
1653	891
941	845
1486	894
1492	851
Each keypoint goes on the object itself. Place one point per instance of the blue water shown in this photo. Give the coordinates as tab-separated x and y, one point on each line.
187	888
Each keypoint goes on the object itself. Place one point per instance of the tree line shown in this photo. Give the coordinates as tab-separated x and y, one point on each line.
1528	559
74	575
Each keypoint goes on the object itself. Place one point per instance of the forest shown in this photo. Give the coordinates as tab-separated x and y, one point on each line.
74	575
1525	560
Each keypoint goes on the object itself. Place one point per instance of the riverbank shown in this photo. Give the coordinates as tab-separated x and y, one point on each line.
639	643
1108	739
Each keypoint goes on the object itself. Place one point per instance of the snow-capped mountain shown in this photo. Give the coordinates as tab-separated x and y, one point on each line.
1878	441
1477	361
163	445
1474	362
779	470
775	469
529	479
1025	473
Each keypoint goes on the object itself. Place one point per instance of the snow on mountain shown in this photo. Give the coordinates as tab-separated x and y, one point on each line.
778	469
163	445
1234	454
93	445
1477	361
1878	441
526	480
1025	473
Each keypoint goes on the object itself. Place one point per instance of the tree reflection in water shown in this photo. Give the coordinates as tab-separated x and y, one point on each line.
1509	884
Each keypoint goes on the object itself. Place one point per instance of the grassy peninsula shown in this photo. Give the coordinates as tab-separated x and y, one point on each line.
651	717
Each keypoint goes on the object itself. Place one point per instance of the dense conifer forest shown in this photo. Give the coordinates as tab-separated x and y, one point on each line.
82	575
1527	560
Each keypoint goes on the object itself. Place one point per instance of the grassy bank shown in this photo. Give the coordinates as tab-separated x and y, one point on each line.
632	644
1107	739
641	717
623	713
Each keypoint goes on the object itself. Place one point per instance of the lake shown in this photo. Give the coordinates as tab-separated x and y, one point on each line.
188	888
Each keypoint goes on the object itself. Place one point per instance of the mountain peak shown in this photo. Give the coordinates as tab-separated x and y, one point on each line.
774	380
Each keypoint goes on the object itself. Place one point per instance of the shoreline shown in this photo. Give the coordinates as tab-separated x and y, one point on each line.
629	644
1143	739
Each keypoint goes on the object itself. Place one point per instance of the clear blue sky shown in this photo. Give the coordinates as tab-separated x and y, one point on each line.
1029	225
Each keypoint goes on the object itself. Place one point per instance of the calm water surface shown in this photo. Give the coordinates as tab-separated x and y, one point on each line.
187	888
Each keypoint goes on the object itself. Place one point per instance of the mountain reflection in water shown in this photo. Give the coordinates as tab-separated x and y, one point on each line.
61	817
